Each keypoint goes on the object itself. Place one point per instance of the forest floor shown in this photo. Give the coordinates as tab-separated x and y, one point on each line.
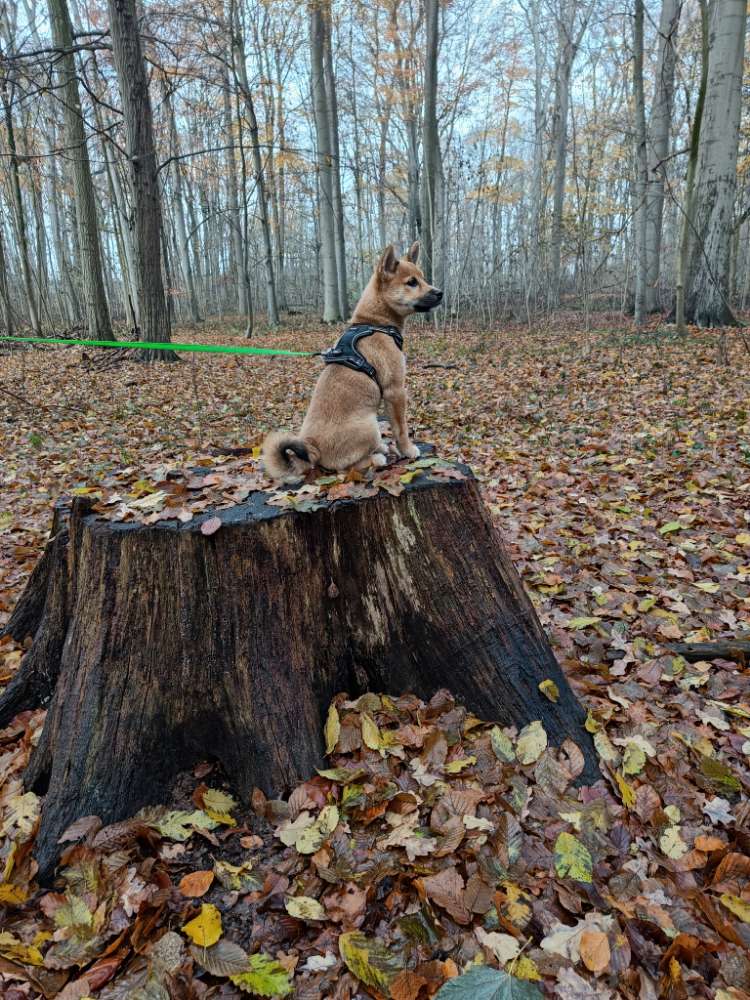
617	468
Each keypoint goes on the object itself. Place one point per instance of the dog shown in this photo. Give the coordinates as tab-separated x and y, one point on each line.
340	430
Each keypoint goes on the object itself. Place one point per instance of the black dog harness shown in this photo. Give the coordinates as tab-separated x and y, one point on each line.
345	351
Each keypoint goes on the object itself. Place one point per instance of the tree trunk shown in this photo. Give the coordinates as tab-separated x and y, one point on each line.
660	125
430	139
235	216
23	239
565	57
707	291
161	646
240	74
331	306
183	245
688	212
641	167
98	322
329	81
136	106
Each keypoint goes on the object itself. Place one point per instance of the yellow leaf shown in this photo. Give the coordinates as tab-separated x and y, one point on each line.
370	733
572	858
370	961
591	724
332	729
633	760
550	690
525	968
626	791
739	907
531	743
456	766
312	837
305	908
205	929
13	948
743	538
12	895
672	843
708	586
218	805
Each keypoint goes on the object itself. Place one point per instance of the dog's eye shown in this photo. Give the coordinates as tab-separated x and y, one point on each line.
412	282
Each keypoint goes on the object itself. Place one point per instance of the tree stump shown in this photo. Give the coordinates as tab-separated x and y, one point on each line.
158	646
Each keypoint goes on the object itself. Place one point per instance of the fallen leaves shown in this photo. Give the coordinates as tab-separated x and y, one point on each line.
629	533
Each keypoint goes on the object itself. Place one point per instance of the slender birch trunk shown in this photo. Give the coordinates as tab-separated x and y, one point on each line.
98	322
430	139
659	129
329	81
641	166
331	303
18	207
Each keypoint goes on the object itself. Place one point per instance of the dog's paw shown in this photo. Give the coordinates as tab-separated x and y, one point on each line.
411	452
378	460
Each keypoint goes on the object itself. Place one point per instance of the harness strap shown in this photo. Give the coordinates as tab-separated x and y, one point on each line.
345	350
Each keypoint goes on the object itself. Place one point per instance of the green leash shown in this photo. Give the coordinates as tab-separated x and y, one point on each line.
146	345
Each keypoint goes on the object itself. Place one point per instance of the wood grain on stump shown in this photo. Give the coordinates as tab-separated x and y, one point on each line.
157	646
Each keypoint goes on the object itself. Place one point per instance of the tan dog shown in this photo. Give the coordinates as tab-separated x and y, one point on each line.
340	430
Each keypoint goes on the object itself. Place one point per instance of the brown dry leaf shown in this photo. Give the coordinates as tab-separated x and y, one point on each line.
446	889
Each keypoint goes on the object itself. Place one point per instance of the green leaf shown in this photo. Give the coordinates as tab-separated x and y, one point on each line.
176	824
719	775
342	775
633	759
502	745
266	977
369	960
482	983
572	858
667	529
582	622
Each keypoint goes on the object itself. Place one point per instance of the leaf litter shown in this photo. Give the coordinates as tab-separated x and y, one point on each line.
480	870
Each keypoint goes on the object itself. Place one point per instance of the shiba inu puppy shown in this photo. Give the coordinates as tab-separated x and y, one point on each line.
367	367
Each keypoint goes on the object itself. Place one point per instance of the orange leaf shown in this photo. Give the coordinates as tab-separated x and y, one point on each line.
594	948
196	884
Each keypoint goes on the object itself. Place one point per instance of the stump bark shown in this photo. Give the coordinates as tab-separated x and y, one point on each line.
157	646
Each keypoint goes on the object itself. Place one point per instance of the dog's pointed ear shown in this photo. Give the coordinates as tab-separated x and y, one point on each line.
413	254
388	262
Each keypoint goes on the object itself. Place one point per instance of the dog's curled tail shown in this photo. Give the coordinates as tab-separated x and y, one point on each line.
276	458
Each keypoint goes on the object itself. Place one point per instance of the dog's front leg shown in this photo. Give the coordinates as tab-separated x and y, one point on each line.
395	404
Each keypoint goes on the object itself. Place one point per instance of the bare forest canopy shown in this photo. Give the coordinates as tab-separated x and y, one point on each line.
162	162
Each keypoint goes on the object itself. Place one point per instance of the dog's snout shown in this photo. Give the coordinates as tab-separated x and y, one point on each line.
437	292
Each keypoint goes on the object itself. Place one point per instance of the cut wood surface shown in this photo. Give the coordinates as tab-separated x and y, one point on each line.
159	646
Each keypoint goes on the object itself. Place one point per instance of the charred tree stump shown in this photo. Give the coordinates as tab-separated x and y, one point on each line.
158	646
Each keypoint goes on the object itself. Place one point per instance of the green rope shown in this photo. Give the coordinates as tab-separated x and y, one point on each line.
147	345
